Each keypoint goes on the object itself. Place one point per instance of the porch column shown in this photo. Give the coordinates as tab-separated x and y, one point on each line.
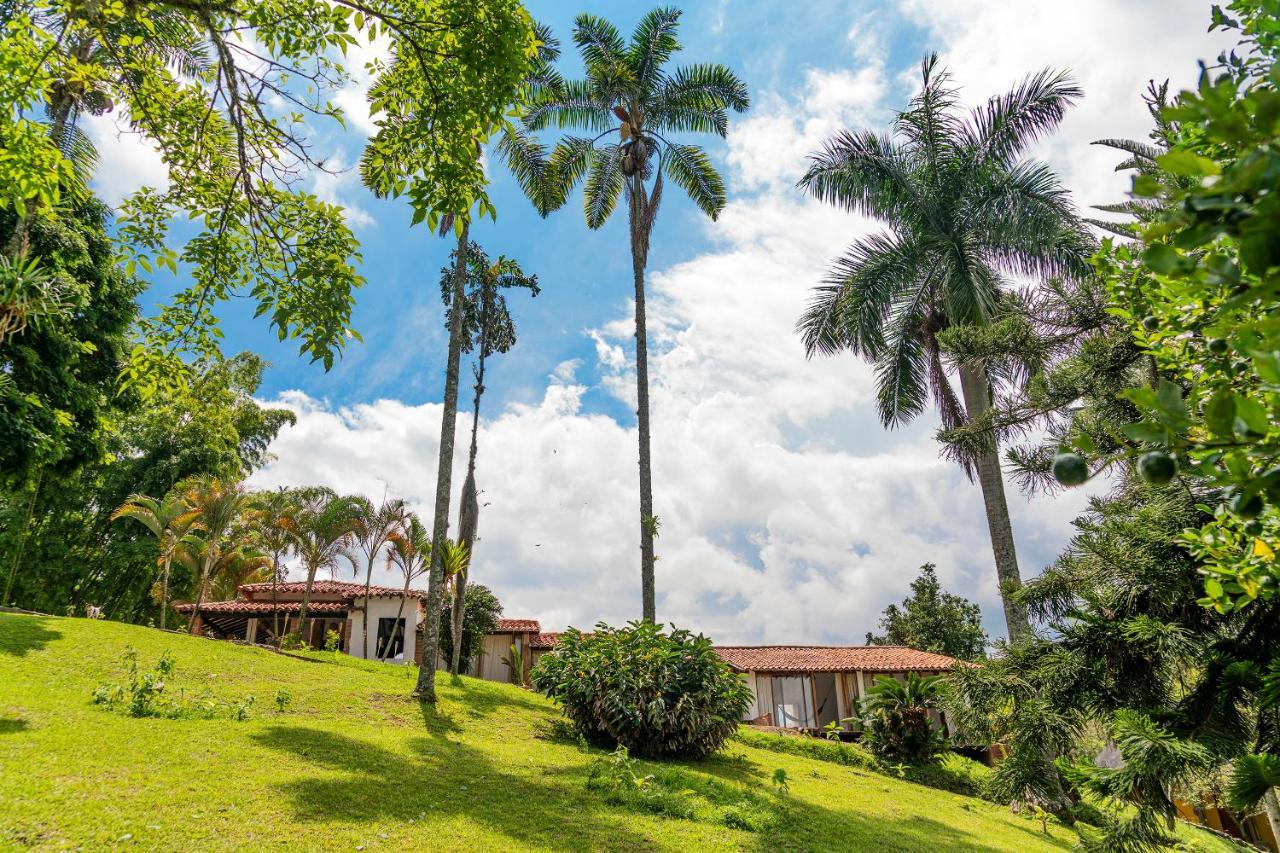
842	698
251	630
346	636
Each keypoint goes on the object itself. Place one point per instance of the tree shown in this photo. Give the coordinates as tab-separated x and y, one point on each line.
169	520
215	88
275	524
409	550
965	212
480	616
628	89
327	526
487	328
374	528
397	162
216	507
933	620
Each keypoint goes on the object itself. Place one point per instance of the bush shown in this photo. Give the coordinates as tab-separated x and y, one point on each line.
897	725
657	694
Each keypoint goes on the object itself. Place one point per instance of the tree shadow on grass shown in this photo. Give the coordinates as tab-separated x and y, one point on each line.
12	725
441	777
20	633
483	699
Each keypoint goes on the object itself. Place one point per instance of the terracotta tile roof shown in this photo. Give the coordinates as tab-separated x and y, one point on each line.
259	608
544	641
518	626
331	588
833	659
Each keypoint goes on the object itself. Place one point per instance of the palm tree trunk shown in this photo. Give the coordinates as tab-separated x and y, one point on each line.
639	259
306	595
364	619
195	612
164	589
275	598
1272	805
469	511
977	399
382	655
425	689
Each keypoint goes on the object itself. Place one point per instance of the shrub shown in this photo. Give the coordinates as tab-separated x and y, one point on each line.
897	724
655	693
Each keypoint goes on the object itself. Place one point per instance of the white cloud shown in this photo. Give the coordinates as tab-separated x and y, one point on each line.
126	160
788	514
336	183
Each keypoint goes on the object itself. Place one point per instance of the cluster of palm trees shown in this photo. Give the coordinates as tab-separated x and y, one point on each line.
227	535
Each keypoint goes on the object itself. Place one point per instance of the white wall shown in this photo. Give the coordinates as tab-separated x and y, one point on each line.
383	607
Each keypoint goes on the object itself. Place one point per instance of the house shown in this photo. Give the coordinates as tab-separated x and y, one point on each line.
807	687
334	606
494	659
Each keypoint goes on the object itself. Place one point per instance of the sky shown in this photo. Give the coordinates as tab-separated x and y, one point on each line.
788	514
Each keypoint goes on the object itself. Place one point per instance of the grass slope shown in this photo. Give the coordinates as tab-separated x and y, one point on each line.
353	763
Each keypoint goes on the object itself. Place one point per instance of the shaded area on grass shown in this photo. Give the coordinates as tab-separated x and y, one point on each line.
377	783
12	725
20	634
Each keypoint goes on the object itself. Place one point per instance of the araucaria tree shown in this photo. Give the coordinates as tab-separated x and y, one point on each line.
965	211
633	109
487	328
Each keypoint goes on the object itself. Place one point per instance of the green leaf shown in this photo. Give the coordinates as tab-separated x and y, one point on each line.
1188	164
1160	258
1220	413
1251	418
1146	433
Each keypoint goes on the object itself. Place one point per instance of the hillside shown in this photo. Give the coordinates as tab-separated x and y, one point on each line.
352	763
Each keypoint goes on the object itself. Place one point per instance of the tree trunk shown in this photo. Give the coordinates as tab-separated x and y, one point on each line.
22	542
382	654
364	619
164	589
1272	805
195	612
639	258
977	399
425	689
306	595
469	511
275	599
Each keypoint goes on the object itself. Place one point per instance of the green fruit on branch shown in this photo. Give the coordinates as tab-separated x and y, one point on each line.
1246	506
1157	467
1070	469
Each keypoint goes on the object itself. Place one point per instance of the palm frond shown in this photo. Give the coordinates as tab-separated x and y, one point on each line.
691	170
1004	127
901	390
652	44
599	42
865	173
1141	150
568	103
928	123
696	98
604	185
569	161
526	159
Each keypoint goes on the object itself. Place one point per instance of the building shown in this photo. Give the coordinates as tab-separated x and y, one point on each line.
334	606
807	687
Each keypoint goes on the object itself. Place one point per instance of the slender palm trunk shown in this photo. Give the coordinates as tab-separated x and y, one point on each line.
1272	805
275	598
22	541
425	689
364	620
164	589
469	511
977	399
639	259
306	594
195	612
382	653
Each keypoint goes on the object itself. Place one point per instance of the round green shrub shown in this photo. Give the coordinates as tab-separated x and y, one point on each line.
658	694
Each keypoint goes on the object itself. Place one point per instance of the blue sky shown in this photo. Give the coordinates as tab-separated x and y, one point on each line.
788	514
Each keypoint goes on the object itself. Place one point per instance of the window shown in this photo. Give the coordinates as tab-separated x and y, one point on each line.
391	631
793	702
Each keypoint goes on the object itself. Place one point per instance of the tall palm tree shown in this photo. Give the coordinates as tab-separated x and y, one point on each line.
218	507
409	550
275	516
488	328
374	527
327	526
633	107
169	519
964	212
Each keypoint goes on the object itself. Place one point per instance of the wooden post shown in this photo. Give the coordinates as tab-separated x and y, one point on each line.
251	630
346	635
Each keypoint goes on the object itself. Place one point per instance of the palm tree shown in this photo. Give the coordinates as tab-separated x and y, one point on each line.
374	527
629	91
409	550
217	507
274	515
236	566
488	328
327	525
169	520
964	211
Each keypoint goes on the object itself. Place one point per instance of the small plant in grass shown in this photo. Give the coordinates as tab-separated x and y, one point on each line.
293	642
780	781
282	700
616	773
147	694
332	639
240	710
659	694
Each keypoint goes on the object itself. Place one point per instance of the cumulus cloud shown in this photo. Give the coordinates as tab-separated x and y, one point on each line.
787	513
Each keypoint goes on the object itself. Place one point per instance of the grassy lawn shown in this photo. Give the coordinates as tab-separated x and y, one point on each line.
353	763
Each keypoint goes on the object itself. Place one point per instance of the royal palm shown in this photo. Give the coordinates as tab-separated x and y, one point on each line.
633	109
965	212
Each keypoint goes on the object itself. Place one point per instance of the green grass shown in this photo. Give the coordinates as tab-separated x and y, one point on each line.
354	763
